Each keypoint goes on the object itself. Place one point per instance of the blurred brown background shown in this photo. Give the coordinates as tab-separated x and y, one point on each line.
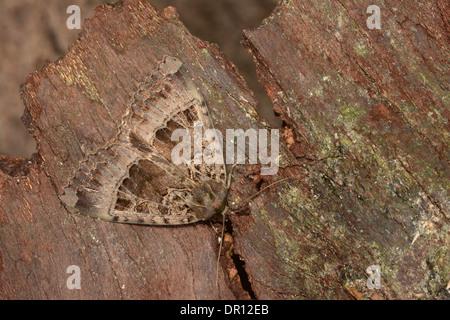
34	31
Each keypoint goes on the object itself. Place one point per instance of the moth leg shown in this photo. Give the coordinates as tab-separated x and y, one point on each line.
224	213
213	227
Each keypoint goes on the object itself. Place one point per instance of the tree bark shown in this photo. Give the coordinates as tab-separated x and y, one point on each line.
367	117
73	106
364	146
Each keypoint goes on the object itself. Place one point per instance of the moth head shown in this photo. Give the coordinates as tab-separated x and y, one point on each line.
208	199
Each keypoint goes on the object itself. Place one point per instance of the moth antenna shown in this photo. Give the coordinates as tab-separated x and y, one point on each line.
230	175
261	191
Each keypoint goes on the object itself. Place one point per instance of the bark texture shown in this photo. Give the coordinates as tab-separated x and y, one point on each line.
367	115
365	145
74	106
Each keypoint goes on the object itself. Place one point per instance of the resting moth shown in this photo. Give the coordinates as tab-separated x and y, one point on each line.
132	179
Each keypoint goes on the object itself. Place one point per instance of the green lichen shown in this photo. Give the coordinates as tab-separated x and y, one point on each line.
205	53
74	73
291	250
361	49
350	114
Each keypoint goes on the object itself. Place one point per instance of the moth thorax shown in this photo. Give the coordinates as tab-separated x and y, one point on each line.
208	199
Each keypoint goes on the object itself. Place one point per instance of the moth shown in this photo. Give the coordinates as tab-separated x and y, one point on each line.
132	179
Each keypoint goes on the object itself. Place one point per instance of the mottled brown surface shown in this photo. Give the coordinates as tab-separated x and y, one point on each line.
369	111
73	106
366	116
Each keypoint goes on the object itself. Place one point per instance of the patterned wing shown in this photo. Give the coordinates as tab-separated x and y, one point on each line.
133	179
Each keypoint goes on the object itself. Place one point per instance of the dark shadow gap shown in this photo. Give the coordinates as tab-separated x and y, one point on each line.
239	264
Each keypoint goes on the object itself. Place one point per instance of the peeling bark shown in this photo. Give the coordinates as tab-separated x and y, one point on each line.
364	148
